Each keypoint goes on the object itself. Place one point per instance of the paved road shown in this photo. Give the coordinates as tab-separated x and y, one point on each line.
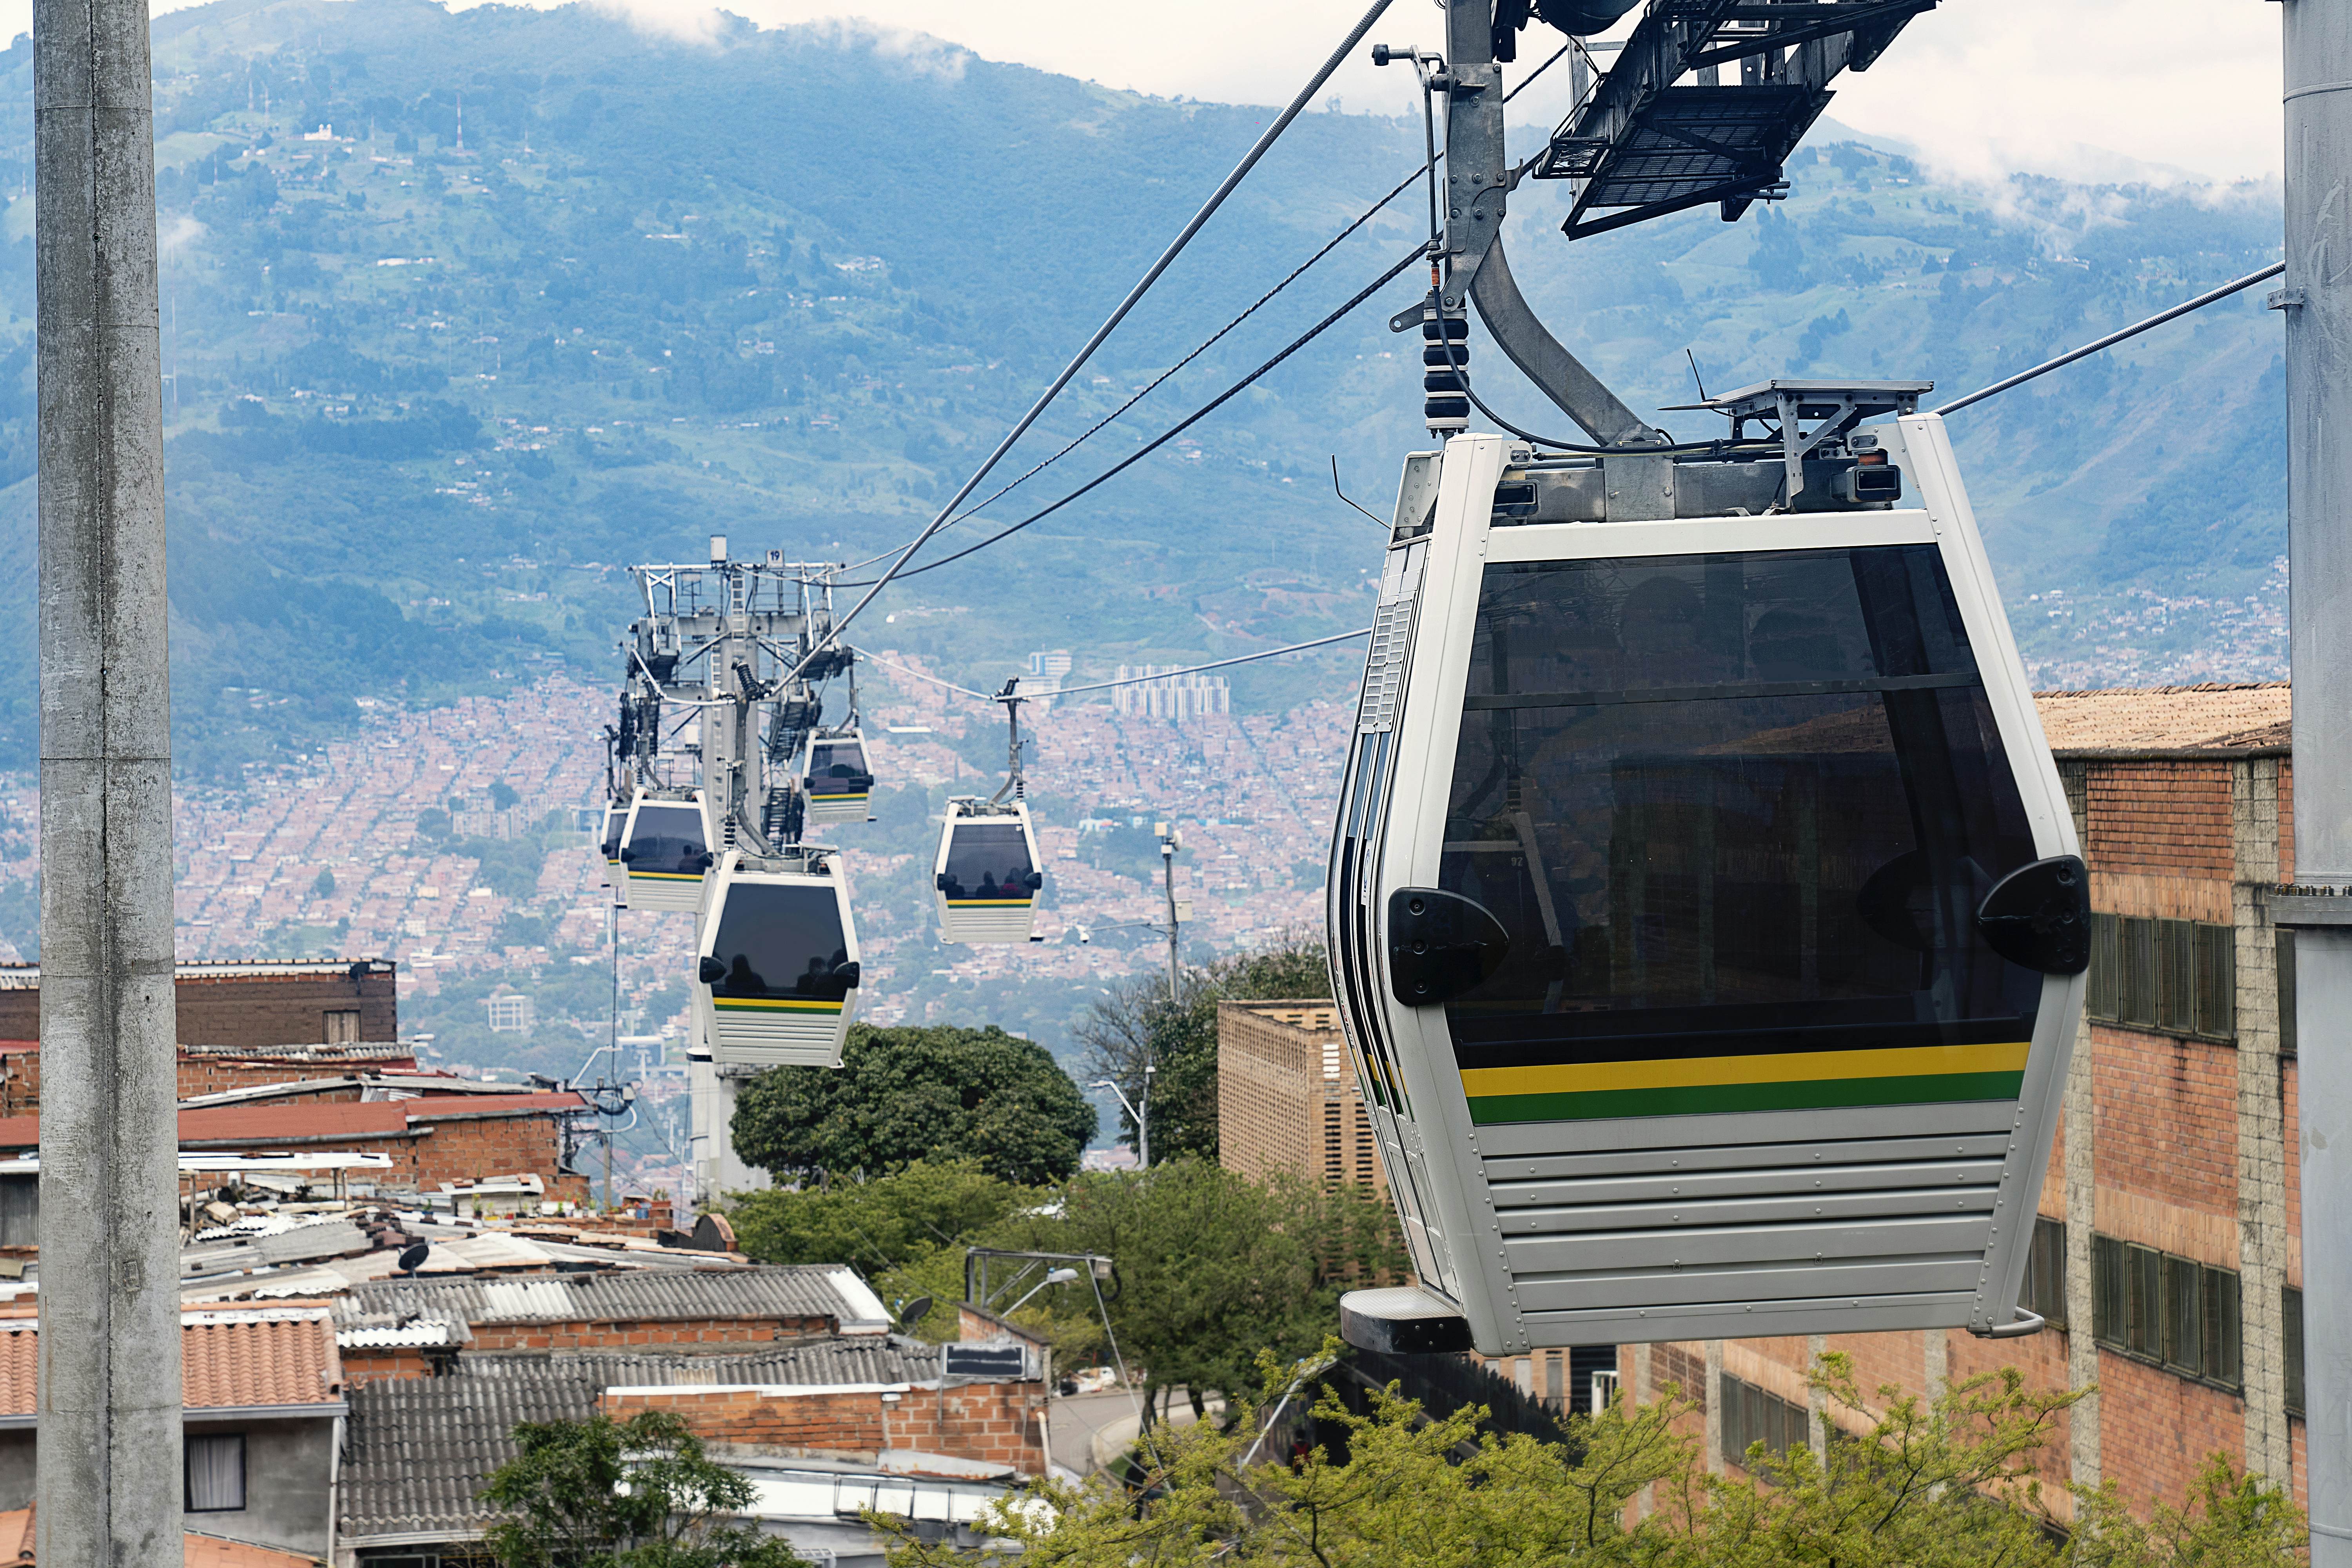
1076	1420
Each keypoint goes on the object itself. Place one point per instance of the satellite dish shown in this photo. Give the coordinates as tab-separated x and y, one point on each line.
412	1258
916	1311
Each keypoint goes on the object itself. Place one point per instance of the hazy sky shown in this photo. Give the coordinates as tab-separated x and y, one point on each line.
2074	87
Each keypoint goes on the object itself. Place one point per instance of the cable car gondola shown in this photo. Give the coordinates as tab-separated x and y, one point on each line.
666	850
986	872
616	822
779	966
835	778
1706	913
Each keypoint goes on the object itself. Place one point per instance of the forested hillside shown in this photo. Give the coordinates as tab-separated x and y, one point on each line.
461	312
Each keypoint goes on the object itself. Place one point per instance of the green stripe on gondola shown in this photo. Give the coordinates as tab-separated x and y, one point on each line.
838	794
667	876
1707	1099
772	1005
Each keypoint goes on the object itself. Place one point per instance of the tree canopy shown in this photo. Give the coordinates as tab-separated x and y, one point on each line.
939	1094
1138	1025
1908	1483
638	1493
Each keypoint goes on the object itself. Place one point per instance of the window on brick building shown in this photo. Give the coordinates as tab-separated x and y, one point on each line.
2179	976
2044	1293
1752	1415
2104	998
2173	1311
2286	991
2291	1330
344	1027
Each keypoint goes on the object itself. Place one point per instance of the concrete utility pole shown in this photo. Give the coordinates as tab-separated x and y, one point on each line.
1171	841
2317	304
110	1484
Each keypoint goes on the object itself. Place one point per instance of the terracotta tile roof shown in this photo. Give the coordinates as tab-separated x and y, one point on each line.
16	1538
267	1123
231	1359
2218	717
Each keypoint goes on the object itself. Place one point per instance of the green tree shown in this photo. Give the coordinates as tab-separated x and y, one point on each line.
1138	1027
1214	1267
878	1222
1946	1483
909	1094
638	1493
503	796
325	885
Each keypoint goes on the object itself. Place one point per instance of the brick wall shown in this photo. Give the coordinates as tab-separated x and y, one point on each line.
202	1073
995	1424
474	1149
693	1334
250	1009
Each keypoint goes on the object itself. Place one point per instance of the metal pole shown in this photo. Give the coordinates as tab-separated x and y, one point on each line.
2317	302
1143	1122
1169	840
109	1483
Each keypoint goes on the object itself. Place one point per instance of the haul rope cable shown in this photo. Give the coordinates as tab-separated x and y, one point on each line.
1134	296
1157	381
1107	685
1317	330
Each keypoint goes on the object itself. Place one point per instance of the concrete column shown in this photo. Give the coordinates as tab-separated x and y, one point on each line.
1817	1405
1715	1407
109	1483
1934	1361
2081	1195
2262	1116
1644	1389
2317	297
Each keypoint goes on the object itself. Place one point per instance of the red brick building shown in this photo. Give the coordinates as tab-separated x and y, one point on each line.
2166	1256
339	1001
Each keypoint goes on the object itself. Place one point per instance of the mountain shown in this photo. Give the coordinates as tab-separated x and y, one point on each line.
464	310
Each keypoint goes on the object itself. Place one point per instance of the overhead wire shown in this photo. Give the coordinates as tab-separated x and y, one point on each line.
1236	390
1214	338
1134	296
1128	681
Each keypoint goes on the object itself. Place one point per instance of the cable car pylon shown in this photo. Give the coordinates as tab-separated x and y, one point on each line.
1706	917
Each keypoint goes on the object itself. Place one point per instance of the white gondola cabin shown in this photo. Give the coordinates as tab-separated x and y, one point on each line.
666	851
986	873
835	777
779	967
1705	916
616	822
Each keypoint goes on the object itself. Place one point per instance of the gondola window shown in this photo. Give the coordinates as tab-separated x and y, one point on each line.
667	842
988	861
780	943
1735	814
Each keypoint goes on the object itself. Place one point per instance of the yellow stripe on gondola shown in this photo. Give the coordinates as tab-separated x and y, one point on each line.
1792	1066
990	903
667	876
772	1005
842	795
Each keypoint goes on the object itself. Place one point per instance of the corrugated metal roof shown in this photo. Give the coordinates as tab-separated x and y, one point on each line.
792	1290
883	1361
418	1450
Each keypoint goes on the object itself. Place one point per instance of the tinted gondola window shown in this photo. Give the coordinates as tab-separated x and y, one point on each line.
781	940
1737	813
668	839
988	861
614	822
837	767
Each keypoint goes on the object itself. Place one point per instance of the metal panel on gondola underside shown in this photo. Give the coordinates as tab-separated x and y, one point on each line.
1737	791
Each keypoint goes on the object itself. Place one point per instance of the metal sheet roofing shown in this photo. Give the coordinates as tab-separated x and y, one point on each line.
883	1361
267	1123
785	1291
418	1450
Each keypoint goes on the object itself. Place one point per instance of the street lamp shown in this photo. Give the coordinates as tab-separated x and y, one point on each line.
1141	1117
1054	1277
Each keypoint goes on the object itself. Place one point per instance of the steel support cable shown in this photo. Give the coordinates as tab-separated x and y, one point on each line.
2199	303
1263	300
1130	680
1258	149
1236	390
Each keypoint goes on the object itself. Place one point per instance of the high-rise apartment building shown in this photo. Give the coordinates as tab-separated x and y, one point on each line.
1287	1098
1161	692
